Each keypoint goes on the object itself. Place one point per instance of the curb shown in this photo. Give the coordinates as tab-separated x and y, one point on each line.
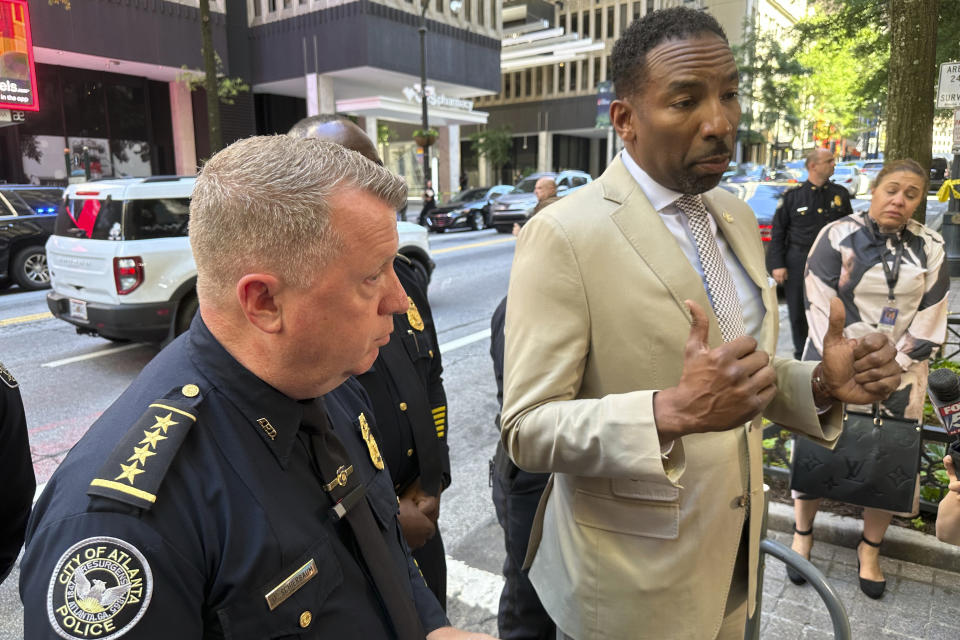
899	543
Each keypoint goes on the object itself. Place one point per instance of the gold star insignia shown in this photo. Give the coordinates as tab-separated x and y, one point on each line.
130	472
164	422
152	438
140	454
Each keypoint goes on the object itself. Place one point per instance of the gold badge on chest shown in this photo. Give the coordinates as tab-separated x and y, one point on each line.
837	201
413	316
372	447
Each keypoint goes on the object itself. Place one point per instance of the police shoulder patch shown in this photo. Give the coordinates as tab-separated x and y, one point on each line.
100	588
136	467
7	377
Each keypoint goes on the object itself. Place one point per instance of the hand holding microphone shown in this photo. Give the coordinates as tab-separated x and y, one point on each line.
943	387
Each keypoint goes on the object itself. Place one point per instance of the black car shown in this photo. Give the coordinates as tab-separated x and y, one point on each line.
763	198
470	209
27	215
939	171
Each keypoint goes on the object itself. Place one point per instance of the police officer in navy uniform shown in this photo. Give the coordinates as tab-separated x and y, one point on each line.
19	482
406	391
800	215
236	488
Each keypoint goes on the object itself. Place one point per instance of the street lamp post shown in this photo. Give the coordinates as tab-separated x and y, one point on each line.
455	6
423	89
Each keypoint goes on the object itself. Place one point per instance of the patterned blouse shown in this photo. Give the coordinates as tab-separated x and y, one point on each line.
845	261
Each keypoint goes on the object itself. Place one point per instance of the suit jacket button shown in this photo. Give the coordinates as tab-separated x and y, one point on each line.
403	406
305	619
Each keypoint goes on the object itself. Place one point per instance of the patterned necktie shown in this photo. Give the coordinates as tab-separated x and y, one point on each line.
723	292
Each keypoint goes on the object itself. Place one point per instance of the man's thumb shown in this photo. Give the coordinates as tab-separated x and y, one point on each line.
838	317
699	338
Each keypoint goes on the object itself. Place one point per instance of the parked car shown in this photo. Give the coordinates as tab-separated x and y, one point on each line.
870	169
516	205
120	259
27	215
939	171
848	178
470	209
763	198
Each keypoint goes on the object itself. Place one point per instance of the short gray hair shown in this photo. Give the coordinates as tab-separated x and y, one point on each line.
263	203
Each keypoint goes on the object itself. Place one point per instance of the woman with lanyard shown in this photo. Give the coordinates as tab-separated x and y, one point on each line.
890	272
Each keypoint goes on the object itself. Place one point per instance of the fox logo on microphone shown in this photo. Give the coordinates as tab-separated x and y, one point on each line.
943	386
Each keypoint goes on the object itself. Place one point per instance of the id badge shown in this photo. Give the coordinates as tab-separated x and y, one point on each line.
888	319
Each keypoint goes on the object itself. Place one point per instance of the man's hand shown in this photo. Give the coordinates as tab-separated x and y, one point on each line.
719	389
449	633
948	513
417	528
860	371
780	275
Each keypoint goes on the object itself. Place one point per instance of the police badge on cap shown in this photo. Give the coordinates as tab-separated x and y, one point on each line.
100	588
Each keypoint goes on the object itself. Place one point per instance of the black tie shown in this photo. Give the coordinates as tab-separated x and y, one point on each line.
349	503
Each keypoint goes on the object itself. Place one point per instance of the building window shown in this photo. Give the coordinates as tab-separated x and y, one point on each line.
528	83
586	24
597	25
573	75
467	8
548	71
287	4
257	9
637	11
623	18
481	12
596	71
650	6
271	6
609	23
539	71
517	87
562	79
573	23
506	84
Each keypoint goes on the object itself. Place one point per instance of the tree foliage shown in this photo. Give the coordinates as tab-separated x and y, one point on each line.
494	144
63	3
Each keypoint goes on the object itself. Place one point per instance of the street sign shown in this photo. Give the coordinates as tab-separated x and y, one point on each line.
948	94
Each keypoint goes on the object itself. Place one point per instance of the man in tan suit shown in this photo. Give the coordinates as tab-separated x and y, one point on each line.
638	342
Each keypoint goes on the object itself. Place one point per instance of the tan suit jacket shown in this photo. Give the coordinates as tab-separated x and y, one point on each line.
627	543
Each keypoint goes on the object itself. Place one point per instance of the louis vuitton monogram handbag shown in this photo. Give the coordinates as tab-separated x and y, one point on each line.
874	464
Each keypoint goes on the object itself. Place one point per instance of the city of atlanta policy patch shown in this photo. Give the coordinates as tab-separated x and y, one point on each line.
100	589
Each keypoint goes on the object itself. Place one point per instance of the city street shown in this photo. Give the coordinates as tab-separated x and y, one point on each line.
67	380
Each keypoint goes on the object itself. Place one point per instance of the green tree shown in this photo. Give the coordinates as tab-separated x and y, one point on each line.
64	3
771	76
494	145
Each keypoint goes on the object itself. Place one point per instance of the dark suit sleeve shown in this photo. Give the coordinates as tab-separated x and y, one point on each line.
846	209
777	251
497	322
20	482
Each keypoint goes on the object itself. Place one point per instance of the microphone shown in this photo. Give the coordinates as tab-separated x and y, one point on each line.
943	387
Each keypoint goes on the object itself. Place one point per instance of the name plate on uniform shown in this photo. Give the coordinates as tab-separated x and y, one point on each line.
290	586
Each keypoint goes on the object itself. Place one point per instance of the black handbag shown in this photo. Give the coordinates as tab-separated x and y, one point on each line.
874	463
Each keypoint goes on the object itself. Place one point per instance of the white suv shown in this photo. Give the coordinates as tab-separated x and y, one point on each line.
120	260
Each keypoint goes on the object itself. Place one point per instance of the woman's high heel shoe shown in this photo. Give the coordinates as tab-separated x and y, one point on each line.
792	573
872	588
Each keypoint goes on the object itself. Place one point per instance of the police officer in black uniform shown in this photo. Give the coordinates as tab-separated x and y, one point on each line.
236	489
516	494
406	391
800	215
19	482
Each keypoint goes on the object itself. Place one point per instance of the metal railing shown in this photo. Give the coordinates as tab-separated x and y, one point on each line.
838	613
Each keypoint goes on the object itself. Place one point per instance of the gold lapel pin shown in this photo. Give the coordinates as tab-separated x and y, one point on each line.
726	217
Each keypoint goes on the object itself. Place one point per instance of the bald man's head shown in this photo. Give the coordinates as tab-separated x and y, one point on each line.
545	188
337	129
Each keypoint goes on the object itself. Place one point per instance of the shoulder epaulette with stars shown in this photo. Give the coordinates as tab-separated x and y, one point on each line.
136	468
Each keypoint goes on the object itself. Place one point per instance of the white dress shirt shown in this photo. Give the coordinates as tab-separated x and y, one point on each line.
662	200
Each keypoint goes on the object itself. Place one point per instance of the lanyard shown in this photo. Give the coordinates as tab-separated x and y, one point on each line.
892	273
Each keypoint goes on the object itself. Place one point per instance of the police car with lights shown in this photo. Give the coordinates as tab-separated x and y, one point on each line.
27	213
120	260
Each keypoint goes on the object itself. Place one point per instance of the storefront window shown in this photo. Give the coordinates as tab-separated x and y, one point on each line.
83	105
